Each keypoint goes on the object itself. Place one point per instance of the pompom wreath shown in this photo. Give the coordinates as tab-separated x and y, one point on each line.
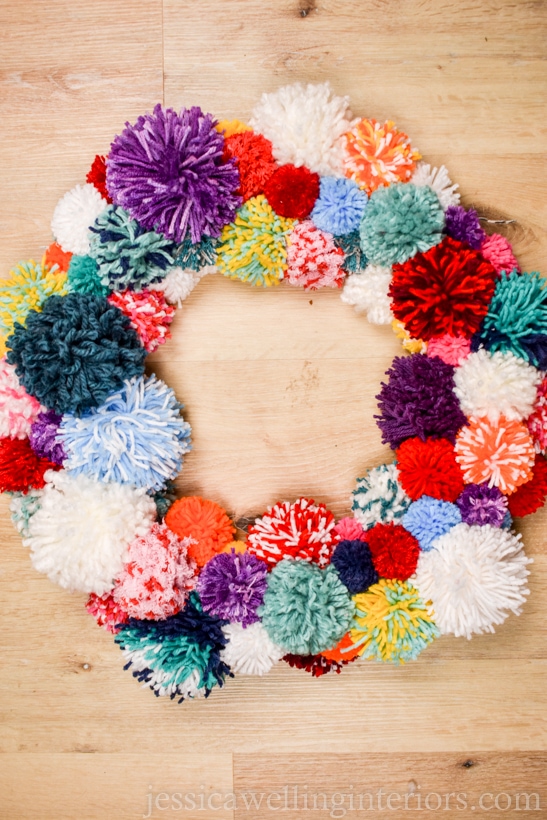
394	550
498	251
314	260
303	530
418	400
316	665
232	586
22	508
74	353
74	215
20	468
429	468
451	349
428	518
168	171
499	453
204	522
17	409
56	259
439	180
292	191
80	534
392	623
368	291
531	496
379	497
249	650
480	504
254	161
377	154
157	575
304	124
106	612
474	577
254	248
127	255
178	657
537	421
353	563
464	226
97	177
44	437
83	277
445	290
25	289
490	385
149	314
340	206
306	609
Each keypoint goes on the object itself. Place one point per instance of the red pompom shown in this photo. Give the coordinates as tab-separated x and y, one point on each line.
316	665
292	191
531	496
97	177
447	289
20	468
429	468
254	160
394	551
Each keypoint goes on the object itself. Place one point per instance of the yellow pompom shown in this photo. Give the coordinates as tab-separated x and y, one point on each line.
410	344
238	546
231	127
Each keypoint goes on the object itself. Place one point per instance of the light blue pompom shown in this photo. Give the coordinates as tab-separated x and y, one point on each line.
428	518
137	436
340	206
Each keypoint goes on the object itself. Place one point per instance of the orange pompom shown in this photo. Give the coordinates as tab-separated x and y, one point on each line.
55	255
205	522
345	650
500	454
378	154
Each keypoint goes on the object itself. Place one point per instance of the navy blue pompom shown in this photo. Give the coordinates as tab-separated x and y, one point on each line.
353	562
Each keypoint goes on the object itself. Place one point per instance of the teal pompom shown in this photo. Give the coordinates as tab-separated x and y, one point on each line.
355	260
22	508
83	277
306	609
400	221
199	255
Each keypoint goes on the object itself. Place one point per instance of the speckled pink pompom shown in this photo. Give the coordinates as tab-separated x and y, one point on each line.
150	315
537	422
349	529
451	349
497	250
106	611
314	261
17	409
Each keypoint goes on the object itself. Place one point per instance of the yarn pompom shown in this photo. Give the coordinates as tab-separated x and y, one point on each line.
409	344
428	518
517	317
128	256
76	352
168	171
232	586
316	665
203	521
400	221
418	400
73	217
464	226
177	285
177	657
137	436
474	577
451	349
25	289
303	530
392	623
429	468
108	614
349	529
197	255
304	124
157	575
353	562
254	161
249	650
306	609
56	257
44	437
17	409
490	385
531	496
20	468
379	497
499	453
498	251
149	314
394	550
22	508
537	421
480	504
231	127
344	651
314	260
368	291
340	206
439	180
445	290
354	258
83	277
254	247
377	154
97	177
80	534
292	191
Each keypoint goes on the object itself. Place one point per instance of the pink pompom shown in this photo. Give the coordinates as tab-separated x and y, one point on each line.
150	315
498	251
17	409
451	349
106	611
314	261
537	422
157	576
349	529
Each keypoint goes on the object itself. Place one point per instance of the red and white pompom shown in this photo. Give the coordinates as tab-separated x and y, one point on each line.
537	422
314	261
150	315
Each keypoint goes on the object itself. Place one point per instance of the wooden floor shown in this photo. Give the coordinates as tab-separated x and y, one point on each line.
279	388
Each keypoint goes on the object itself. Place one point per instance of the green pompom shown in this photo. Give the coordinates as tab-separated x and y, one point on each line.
83	277
199	255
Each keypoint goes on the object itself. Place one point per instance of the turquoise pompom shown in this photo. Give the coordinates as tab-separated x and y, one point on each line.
194	256
83	277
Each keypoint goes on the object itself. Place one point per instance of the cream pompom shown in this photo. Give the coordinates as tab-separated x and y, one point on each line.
439	181
250	650
74	214
179	283
368	292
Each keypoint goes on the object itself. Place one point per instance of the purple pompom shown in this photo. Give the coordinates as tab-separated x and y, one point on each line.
169	173
419	400
42	437
232	586
464	226
480	504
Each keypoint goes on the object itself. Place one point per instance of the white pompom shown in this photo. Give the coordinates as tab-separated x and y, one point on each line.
368	292
473	578
74	214
179	283
439	181
250	650
80	534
